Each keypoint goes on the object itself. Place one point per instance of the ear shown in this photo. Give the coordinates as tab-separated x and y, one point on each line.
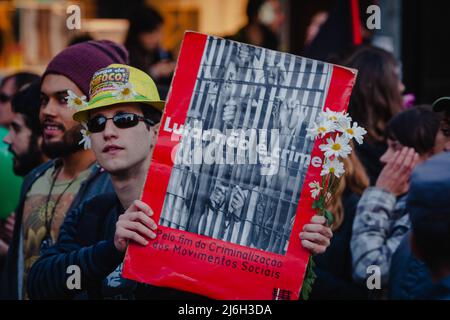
155	130
414	248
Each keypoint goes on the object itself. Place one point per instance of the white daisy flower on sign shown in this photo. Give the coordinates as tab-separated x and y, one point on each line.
124	92
354	132
338	147
74	101
320	130
315	189
333	167
86	140
334	116
343	123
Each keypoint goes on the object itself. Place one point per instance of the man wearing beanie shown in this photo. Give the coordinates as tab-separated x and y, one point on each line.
122	117
73	176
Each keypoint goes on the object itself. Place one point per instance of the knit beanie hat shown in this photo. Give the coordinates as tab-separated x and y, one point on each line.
79	62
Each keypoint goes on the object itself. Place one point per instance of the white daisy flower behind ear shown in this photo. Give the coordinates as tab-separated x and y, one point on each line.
74	101
333	167
338	147
315	189
124	92
86	140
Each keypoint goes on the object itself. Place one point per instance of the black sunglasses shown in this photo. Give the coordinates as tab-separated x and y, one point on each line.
4	97
120	120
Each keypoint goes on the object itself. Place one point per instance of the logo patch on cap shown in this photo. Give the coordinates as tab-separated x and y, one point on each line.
108	80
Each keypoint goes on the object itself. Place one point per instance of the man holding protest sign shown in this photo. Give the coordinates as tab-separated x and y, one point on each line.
95	236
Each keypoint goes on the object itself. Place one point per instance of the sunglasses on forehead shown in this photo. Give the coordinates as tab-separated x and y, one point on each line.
120	120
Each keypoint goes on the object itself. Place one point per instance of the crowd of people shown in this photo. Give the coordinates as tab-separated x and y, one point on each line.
79	203
81	206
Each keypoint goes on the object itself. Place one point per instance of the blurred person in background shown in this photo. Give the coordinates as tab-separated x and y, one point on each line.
83	37
334	267
25	132
409	276
442	106
382	220
429	207
336	32
144	43
272	15
8	87
264	21
24	141
317	21
376	98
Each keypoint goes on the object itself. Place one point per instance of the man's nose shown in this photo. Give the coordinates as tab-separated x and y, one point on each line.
50	109
110	129
385	157
8	139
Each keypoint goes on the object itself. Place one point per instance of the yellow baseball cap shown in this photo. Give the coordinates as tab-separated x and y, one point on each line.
119	83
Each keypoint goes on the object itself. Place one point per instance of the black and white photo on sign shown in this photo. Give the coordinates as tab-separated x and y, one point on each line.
243	153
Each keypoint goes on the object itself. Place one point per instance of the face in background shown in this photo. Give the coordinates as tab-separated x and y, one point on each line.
218	195
244	56
61	134
394	146
290	115
272	15
272	75
275	73
6	91
120	150
24	145
151	41
442	143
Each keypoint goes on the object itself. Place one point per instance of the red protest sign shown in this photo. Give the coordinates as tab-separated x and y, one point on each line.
228	170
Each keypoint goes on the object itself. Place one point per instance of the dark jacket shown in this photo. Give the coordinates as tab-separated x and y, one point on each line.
11	283
439	291
334	267
409	277
86	240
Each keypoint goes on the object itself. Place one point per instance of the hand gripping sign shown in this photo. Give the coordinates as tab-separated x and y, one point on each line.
231	167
